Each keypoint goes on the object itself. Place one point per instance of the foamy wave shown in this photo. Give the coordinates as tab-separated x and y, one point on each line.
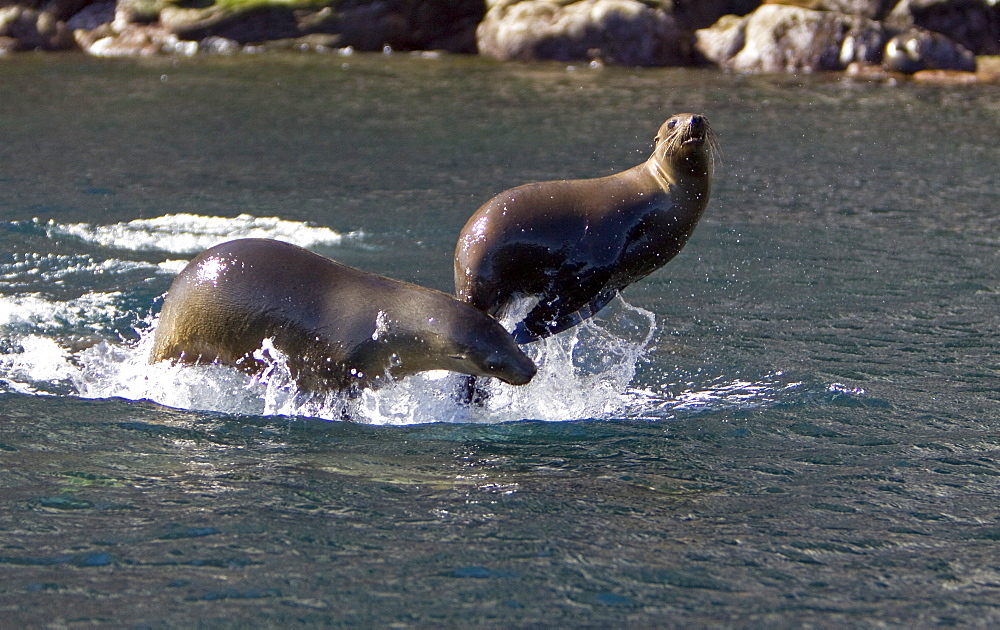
33	268
35	332
91	311
672	400
192	233
109	370
583	373
34	359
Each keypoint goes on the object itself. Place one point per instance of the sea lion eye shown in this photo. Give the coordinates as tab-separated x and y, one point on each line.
671	123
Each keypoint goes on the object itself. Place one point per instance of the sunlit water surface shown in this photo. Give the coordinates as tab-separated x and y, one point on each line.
793	423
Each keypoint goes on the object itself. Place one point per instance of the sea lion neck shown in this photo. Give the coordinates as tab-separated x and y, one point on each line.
663	177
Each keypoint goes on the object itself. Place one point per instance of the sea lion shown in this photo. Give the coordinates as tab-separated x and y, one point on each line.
574	244
341	328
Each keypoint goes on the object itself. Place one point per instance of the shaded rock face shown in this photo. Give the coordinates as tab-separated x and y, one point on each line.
917	50
694	14
781	38
154	26
872	9
58	9
26	28
401	24
624	32
975	24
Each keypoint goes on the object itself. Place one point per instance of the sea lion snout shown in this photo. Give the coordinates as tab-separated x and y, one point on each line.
514	368
697	123
695	127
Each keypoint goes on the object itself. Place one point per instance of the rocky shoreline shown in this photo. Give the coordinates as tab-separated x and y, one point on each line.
930	39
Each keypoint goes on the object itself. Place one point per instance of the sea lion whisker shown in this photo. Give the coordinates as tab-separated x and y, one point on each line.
714	148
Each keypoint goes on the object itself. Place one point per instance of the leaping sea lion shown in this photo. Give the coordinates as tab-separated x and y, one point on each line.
341	328
574	244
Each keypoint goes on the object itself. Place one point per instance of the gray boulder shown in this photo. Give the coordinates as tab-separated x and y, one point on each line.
622	32
782	38
777	38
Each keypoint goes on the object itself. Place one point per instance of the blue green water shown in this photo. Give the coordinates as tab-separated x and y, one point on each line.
793	423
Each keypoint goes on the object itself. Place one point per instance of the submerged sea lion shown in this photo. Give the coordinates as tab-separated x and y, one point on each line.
574	244
341	328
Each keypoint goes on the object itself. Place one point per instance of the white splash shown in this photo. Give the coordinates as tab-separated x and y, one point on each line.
381	325
109	370
587	372
35	359
583	373
41	314
192	233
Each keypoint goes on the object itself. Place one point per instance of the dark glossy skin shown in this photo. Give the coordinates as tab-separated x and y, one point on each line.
341	328
574	244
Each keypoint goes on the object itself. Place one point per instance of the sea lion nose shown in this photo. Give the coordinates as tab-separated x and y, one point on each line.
697	121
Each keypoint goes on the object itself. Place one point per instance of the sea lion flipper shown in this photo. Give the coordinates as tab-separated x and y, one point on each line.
540	324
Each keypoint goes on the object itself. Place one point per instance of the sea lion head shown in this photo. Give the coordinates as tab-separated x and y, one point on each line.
686	141
458	337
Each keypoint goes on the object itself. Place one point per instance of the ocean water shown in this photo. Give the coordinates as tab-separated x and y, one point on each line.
793	423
